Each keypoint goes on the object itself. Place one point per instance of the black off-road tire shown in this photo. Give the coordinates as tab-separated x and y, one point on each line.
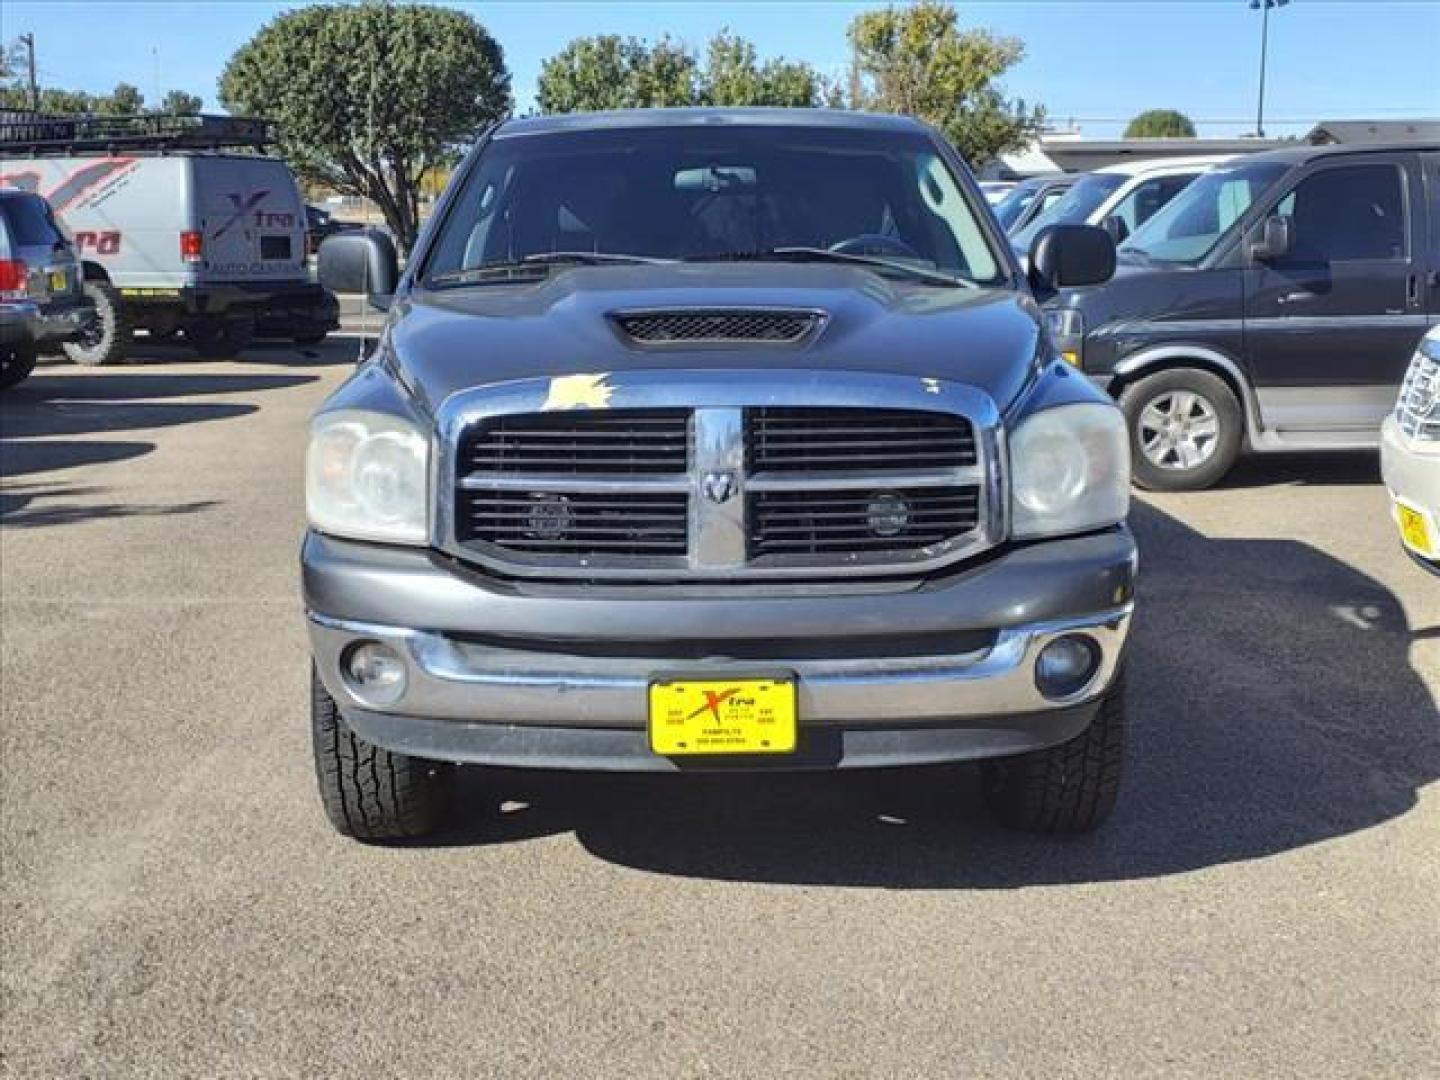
1070	788
370	793
108	339
1228	443
16	363
220	339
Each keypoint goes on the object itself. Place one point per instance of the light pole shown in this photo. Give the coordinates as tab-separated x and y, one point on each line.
1263	6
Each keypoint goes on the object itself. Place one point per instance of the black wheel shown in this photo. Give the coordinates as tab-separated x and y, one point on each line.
371	793
106	340
220	339
1186	429
16	363
1070	788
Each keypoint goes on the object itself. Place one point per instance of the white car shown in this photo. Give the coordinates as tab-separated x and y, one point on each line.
1410	455
1130	193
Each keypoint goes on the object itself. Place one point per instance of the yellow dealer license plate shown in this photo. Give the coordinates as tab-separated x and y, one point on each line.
1415	529
729	716
57	281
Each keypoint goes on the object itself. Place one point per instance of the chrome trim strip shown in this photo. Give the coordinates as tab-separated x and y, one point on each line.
729	389
717	451
847	481
587	483
461	681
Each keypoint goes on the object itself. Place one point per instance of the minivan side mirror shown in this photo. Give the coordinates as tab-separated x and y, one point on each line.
1276	239
360	261
1065	256
1116	227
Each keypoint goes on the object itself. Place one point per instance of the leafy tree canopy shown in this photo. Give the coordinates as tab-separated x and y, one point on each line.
370	98
916	60
611	72
1160	124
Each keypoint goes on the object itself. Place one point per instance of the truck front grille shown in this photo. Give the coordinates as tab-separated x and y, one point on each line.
825	522
737	491
1418	409
878	440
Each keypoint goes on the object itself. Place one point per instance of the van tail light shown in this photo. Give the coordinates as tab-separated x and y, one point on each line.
192	246
12	280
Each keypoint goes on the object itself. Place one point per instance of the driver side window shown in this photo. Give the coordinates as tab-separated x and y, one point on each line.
1347	214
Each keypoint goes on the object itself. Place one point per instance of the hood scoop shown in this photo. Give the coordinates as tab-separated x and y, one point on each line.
714	326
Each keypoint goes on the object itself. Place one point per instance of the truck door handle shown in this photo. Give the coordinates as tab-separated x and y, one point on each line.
1412	289
1295	297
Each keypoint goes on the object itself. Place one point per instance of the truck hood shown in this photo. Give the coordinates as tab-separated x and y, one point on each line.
454	340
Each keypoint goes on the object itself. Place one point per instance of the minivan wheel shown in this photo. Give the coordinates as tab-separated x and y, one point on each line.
16	362
1070	788
106	340
371	793
1186	429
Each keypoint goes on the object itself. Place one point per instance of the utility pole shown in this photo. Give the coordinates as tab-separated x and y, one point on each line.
28	40
1263	6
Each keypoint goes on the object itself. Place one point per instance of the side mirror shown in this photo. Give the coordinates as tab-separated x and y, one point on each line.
360	261
1066	256
1115	226
1276	239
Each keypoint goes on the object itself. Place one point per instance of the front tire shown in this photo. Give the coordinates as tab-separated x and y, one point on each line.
1070	788
107	339
371	793
1186	429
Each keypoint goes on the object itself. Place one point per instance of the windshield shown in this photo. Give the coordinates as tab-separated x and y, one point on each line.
1189	226
1082	200
697	193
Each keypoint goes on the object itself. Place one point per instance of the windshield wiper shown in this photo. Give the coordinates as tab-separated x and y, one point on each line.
814	254
534	266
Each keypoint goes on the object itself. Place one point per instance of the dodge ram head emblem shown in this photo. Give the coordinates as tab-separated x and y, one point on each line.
718	486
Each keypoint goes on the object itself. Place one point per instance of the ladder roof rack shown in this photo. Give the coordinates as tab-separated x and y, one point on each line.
35	134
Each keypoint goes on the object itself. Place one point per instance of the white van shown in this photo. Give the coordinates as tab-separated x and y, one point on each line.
1121	197
183	228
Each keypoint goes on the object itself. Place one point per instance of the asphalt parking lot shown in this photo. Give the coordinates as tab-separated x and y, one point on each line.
1266	901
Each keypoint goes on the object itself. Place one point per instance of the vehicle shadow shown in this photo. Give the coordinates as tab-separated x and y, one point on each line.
72	405
1273	706
1340	467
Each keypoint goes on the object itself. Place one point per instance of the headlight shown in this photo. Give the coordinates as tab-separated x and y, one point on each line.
366	477
1067	330
1070	470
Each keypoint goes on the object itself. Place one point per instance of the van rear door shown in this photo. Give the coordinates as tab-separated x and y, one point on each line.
252	221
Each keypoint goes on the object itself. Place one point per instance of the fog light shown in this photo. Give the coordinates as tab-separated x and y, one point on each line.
887	515
1065	665
375	672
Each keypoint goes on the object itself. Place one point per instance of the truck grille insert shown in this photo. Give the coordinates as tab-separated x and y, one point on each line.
578	443
825	522
857	439
682	326
1418	410
720	492
574	523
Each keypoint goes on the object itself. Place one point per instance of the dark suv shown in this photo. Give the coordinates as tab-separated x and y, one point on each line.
42	304
1274	305
716	439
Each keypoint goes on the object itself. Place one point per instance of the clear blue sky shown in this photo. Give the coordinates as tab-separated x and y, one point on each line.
1098	63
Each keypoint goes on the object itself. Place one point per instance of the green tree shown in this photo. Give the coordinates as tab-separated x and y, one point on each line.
916	60
124	100
370	98
734	76
178	102
611	72
1160	124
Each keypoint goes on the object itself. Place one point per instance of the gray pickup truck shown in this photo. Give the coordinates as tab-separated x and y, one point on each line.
716	439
